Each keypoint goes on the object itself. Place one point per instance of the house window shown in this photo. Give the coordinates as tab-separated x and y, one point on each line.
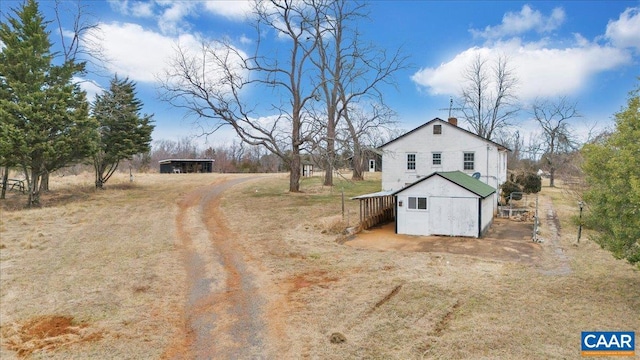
437	129
411	161
436	158
417	203
469	159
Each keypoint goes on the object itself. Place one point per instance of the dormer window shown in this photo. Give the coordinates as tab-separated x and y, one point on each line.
437	129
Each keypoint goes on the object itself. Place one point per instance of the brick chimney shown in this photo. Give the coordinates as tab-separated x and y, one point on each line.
453	121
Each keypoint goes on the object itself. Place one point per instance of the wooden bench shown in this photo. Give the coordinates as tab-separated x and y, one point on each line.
15	183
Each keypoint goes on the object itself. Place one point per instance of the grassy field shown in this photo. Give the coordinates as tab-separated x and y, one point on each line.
97	274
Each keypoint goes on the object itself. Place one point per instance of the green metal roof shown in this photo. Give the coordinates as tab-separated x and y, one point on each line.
474	185
461	179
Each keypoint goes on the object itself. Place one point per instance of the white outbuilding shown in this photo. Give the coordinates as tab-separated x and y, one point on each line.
448	203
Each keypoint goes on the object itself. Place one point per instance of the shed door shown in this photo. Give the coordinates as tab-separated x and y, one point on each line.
453	216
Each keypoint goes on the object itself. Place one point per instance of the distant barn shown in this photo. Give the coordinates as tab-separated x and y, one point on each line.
179	166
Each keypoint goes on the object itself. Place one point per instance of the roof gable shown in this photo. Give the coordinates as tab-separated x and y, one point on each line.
461	179
499	146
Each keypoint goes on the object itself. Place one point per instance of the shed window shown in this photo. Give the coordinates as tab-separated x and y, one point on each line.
411	161
469	159
437	158
437	129
417	203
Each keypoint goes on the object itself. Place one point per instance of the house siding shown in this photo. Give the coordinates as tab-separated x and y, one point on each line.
487	209
452	143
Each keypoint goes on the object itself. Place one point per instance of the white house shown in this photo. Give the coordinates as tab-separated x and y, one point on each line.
438	179
440	146
445	203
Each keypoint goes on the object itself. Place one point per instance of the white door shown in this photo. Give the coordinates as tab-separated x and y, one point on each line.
372	165
453	216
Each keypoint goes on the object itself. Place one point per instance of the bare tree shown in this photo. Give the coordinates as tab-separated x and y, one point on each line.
83	40
488	99
557	136
362	129
350	70
211	84
514	141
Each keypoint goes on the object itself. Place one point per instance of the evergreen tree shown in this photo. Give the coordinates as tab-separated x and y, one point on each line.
612	167
122	131
45	122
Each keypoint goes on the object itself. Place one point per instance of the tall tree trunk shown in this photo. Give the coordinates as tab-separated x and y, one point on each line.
330	158
358	168
552	176
44	183
294	173
34	186
5	178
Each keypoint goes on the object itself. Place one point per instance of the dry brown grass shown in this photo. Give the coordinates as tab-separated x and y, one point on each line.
109	260
446	306
105	258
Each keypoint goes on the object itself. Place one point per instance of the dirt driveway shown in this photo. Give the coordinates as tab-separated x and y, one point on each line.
224	310
506	241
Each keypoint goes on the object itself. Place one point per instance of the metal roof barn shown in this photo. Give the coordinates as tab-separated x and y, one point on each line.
180	166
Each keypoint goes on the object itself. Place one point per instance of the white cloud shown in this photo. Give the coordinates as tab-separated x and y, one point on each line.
541	71
170	14
136	52
522	22
142	55
172	19
245	40
133	8
625	32
92	88
121	6
233	10
142	9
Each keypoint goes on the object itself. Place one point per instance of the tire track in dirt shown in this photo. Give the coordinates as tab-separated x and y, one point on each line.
559	263
223	316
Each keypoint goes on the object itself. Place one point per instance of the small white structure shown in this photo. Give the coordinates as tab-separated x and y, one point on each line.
307	170
445	203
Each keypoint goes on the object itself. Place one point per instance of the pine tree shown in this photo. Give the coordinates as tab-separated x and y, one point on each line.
45	122
123	132
612	168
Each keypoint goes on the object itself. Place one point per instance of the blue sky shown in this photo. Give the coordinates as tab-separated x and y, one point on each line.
588	51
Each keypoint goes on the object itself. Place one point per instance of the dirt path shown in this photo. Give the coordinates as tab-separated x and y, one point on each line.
223	317
557	263
506	241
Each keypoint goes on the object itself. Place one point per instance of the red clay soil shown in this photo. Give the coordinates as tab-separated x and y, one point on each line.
46	333
313	278
506	241
224	321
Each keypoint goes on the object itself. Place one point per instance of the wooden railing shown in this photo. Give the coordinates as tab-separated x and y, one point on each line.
376	210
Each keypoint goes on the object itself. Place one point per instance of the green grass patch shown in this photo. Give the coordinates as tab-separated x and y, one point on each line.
312	191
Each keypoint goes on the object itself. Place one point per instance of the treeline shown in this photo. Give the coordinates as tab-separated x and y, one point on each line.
237	157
